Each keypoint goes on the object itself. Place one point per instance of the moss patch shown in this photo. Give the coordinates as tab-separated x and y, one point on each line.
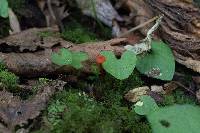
8	80
76	33
74	111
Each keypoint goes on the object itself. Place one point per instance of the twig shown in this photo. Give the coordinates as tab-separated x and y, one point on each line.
139	26
183	86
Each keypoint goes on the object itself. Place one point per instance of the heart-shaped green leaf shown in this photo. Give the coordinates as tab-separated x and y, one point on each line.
159	63
77	58
145	106
63	57
176	119
171	119
119	68
4	8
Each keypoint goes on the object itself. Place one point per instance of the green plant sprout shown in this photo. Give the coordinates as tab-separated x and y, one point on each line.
169	119
66	57
4	8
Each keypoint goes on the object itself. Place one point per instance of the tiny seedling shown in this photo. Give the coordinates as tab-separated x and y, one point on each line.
66	57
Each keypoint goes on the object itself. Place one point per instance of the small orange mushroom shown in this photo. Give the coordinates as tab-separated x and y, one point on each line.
100	59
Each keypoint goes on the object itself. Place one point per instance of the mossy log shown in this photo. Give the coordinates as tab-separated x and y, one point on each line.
29	53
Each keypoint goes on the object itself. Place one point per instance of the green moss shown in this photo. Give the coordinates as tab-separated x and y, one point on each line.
73	111
178	97
76	33
8	80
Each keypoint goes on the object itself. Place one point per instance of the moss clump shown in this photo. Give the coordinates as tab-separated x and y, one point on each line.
73	111
178	97
76	33
8	80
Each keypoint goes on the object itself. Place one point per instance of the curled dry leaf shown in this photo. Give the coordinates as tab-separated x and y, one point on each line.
135	94
53	10
180	28
99	9
157	89
14	22
28	53
198	95
141	13
169	87
15	111
154	91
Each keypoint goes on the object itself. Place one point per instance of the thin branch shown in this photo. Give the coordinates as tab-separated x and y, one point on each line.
139	26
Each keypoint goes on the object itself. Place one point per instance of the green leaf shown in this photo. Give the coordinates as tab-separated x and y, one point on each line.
146	106
63	57
77	58
176	119
4	8
159	63
119	68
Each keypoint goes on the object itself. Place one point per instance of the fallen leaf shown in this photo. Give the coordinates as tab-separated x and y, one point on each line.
15	111
14	22
135	94
198	95
157	89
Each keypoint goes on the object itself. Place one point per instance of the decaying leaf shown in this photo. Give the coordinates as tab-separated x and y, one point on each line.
154	91
198	95
188	62
169	87
99	9
14	111
157	89
14	22
141	13
135	94
54	11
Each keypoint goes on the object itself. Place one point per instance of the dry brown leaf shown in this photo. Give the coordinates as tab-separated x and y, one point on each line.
135	94
188	62
141	13
154	91
157	89
14	111
103	8
198	95
53	10
169	87
14	22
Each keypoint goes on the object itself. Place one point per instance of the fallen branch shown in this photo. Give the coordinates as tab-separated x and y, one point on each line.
28	53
